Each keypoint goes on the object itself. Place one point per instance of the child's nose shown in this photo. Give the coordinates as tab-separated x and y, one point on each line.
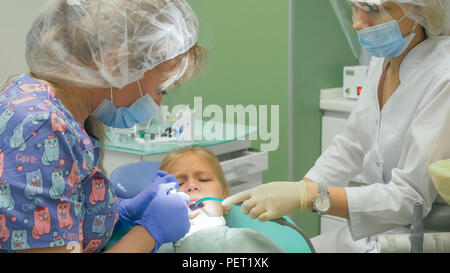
192	187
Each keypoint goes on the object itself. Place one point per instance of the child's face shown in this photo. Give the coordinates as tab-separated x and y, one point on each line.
198	180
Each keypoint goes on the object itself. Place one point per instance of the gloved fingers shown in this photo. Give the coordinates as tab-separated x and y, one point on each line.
248	205
161	173
160	178
164	189
256	212
265	216
237	198
164	177
184	196
169	178
167	218
181	200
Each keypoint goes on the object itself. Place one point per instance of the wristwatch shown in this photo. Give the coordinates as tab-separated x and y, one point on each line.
322	201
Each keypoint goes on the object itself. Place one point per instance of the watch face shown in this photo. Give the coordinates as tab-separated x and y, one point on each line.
322	202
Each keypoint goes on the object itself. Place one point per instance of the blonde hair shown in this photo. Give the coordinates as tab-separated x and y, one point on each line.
202	153
189	65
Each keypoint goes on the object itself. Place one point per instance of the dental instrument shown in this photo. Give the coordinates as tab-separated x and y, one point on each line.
194	207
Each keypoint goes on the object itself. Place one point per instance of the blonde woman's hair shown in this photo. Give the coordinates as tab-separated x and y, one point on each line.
202	153
102	44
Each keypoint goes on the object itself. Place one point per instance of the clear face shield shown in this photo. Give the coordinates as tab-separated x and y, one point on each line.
364	16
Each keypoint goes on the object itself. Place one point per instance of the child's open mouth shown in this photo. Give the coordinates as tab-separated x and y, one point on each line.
193	207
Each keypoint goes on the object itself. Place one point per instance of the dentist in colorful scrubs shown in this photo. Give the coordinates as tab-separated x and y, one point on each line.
92	64
400	126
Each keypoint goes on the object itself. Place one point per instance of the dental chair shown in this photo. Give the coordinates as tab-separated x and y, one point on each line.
128	180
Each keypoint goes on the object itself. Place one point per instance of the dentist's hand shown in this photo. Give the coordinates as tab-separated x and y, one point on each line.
272	200
166	218
131	210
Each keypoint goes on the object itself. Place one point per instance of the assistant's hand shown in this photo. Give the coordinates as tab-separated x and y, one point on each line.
272	200
131	210
166	218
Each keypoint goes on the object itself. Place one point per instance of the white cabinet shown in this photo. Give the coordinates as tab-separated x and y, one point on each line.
331	126
243	169
336	112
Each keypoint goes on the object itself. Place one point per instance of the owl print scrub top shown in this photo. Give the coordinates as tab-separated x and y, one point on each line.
51	192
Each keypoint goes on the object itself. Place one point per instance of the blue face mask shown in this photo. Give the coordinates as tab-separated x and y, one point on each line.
126	117
385	40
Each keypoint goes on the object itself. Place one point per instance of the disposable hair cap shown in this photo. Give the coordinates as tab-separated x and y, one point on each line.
108	43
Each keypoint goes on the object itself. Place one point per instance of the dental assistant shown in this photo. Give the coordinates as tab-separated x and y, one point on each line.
92	64
401	124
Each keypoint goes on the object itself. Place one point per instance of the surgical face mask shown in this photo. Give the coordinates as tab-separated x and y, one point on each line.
385	40
126	117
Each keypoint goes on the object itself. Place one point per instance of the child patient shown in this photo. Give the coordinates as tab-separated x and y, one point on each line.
200	175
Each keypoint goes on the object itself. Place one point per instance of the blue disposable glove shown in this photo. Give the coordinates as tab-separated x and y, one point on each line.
131	210
167	217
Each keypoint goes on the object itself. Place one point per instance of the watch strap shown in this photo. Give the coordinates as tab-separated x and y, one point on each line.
323	188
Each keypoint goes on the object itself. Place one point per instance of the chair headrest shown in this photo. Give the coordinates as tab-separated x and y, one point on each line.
130	179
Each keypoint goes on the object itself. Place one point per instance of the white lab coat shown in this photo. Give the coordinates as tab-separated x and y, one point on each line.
393	148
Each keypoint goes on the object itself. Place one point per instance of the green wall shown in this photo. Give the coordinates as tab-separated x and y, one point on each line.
320	53
248	44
